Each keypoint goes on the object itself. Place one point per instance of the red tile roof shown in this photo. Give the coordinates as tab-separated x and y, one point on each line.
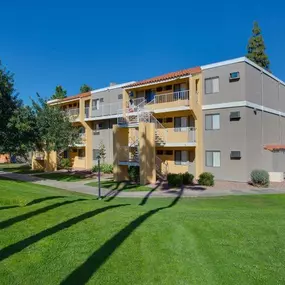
272	147
171	75
78	96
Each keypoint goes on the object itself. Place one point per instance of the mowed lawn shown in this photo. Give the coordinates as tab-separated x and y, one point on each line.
50	236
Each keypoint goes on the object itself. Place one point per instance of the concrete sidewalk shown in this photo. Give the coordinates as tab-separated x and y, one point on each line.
81	188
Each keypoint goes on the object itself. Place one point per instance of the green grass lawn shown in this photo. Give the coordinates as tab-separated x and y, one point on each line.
120	186
67	177
50	236
18	168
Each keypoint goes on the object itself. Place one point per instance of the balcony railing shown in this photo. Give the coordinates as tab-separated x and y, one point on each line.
39	155
72	114
181	135
108	109
171	97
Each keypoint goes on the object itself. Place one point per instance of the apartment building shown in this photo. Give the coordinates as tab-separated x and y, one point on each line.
226	118
94	113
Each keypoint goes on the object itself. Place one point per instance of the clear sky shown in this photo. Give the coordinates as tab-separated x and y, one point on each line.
47	43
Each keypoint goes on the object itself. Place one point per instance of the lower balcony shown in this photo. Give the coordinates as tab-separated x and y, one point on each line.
128	156
72	114
179	137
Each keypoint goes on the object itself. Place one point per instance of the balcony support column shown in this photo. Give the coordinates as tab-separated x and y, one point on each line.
147	153
120	138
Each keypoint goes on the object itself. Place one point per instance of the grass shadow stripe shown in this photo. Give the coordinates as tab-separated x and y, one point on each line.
84	272
20	218
36	201
21	245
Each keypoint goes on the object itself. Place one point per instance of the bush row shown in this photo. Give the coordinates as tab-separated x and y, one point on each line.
176	180
104	168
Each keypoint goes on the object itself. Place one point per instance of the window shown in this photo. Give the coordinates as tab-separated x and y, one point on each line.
212	122
158	89
98	126
65	154
160	120
95	104
168	87
120	96
181	157
81	153
212	85
168	120
196	85
101	100
168	152
213	158
95	153
159	152
180	124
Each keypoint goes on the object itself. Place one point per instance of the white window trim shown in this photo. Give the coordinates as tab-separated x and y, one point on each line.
212	151
211	115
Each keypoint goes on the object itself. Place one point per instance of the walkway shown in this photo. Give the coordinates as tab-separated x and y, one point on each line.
81	188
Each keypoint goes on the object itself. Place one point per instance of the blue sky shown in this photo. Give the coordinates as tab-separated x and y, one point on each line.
98	42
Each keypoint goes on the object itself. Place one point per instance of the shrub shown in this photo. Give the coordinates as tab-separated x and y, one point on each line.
176	180
107	168
65	163
104	167
134	173
260	177
188	178
206	179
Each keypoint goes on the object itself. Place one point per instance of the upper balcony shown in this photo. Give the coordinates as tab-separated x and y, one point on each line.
72	114
178	100
103	111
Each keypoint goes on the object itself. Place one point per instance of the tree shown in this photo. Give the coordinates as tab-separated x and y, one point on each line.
21	133
55	131
256	48
85	88
60	93
8	103
102	151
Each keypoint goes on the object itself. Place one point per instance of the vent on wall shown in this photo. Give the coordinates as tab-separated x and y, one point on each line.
234	76
235	154
235	116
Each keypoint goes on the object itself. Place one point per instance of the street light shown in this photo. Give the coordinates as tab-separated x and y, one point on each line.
98	157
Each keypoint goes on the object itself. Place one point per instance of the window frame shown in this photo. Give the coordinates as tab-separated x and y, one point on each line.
212	126
159	152
79	153
212	152
211	80
95	106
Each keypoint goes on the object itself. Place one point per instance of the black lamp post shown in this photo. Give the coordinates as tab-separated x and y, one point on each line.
99	178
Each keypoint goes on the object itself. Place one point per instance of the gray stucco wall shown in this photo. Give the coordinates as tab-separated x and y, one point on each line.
109	96
106	136
230	137
229	91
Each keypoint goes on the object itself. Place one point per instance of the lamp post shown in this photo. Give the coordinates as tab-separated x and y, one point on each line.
99	178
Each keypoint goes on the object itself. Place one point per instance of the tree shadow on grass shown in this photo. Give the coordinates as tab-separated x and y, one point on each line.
12	221
21	245
8	207
113	190
36	201
145	198
84	272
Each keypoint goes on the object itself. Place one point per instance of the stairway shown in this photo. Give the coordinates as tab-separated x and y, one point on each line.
161	169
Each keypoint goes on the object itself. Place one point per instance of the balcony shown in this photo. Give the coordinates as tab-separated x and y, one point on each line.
39	155
170	101
109	109
128	156
72	114
179	137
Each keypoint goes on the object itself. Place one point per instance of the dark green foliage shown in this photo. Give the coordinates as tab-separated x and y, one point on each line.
206	179
134	173
60	93
85	88
260	177
256	48
176	180
54	129
104	167
65	163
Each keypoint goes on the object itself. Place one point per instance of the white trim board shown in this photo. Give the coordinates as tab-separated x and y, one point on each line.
242	59
112	87
242	104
